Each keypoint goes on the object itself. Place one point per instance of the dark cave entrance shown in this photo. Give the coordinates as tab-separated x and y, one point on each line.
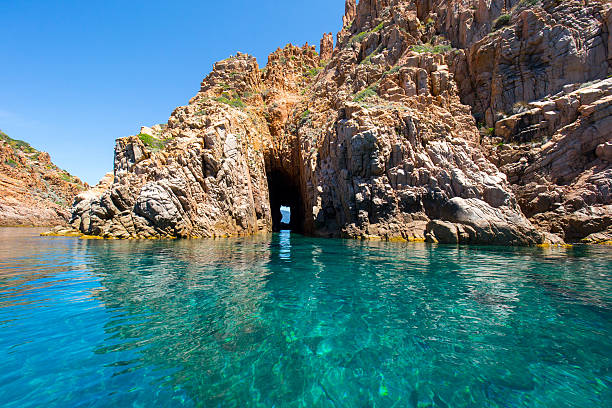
285	192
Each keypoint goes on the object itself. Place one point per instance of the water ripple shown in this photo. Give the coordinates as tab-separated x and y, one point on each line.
292	321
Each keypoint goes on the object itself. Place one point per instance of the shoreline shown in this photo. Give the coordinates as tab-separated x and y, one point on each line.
71	233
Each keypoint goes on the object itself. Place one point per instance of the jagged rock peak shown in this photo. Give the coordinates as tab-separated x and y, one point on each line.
350	12
327	46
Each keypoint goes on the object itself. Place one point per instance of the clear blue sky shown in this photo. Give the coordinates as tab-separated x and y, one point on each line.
76	74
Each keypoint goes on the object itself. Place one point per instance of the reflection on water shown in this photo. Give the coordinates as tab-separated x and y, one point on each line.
285	320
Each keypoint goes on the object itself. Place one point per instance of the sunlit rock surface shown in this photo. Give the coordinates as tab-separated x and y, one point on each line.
33	190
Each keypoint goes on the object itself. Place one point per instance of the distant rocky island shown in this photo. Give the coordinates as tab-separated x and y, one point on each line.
485	122
33	191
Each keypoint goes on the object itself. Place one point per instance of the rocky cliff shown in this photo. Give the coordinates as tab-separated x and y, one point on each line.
472	121
33	191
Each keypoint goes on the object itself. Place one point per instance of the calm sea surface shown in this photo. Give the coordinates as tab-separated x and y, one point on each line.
290	321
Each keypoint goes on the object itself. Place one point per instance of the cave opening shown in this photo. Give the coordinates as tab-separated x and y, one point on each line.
286	218
285	196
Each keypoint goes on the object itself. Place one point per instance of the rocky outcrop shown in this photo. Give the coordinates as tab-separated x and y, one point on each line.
521	51
556	153
377	137
534	74
326	49
350	12
204	174
33	191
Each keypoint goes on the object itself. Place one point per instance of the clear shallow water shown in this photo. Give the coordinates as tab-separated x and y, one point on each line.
290	321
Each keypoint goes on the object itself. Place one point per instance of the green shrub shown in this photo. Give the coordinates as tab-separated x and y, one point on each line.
223	99
366	93
12	163
17	144
362	35
378	28
486	131
359	37
313	72
501	21
435	49
151	142
235	102
305	117
392	70
368	60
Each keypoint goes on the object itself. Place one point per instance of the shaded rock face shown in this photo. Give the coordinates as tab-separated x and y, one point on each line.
33	191
377	138
539	81
350	12
556	154
519	51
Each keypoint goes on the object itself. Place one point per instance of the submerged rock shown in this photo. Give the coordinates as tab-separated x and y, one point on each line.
371	139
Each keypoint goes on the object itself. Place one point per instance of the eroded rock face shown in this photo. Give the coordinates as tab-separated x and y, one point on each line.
33	191
371	139
350	12
208	180
327	46
556	154
541	48
538	83
204	174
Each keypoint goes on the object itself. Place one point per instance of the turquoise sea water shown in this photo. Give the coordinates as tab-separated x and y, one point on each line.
290	321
